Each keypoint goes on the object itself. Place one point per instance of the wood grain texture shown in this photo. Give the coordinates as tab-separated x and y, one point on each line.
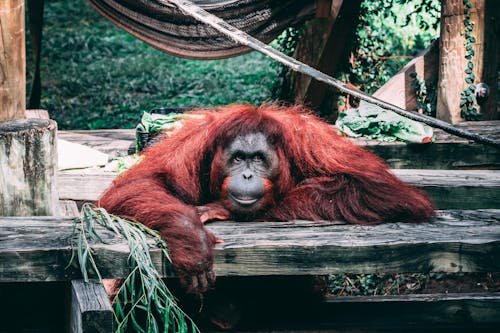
91	310
452	62
12	60
398	90
28	166
447	152
68	208
38	248
449	189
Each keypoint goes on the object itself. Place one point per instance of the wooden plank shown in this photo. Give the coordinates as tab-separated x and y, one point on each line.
83	185
68	208
38	113
450	189
398	90
90	308
12	60
464	312
115	142
38	248
456	189
448	152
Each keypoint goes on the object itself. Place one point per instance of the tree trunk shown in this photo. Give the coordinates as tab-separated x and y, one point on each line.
484	16
28	167
12	60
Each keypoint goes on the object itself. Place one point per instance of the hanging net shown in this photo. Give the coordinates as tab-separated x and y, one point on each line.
168	29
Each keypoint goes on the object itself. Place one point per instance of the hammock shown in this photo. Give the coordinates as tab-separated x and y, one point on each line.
168	29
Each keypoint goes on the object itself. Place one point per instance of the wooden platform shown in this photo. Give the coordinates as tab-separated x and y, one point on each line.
463	179
37	249
447	152
449	189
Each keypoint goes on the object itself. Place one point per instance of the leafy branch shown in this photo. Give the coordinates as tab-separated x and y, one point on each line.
468	107
143	300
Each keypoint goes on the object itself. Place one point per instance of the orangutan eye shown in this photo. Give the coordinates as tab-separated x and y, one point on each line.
237	158
258	159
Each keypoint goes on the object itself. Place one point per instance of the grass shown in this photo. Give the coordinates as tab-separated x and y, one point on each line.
95	75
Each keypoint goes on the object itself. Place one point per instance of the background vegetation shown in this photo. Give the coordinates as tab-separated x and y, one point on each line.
94	75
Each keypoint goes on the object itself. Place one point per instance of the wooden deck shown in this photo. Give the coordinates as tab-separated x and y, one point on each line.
448	152
36	249
463	178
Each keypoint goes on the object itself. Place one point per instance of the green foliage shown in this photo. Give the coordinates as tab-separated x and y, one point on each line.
143	292
375	284
426	95
285	43
469	110
374	122
390	32
95	75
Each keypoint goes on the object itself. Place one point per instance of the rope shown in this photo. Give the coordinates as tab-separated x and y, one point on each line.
243	38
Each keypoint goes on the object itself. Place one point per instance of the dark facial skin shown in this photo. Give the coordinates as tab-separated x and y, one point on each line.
251	160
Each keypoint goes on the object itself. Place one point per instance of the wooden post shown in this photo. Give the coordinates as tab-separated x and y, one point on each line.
28	167
484	17
28	152
323	45
12	60
91	310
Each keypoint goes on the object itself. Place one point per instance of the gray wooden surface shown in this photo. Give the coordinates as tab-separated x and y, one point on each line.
449	189
38	248
91	310
448	152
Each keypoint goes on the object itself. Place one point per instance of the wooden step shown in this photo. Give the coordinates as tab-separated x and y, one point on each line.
450	189
447	152
38	248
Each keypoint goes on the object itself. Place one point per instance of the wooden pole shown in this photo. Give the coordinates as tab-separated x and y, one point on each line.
247	40
12	60
28	152
468	57
28	167
319	47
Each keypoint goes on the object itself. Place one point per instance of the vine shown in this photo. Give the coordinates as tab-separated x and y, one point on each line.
426	95
469	109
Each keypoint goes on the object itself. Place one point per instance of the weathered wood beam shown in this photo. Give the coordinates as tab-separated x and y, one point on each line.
115	142
68	208
485	18
450	189
90	308
447	152
12	60
398	90
319	48
28	166
460	312
38	248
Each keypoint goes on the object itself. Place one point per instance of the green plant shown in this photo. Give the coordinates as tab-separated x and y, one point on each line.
95	75
426	95
469	109
390	33
143	292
